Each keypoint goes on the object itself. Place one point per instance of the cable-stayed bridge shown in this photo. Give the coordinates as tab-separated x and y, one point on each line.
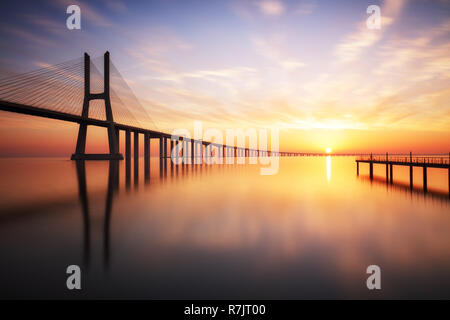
76	91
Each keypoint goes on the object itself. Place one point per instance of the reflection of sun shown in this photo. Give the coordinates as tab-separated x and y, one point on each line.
328	150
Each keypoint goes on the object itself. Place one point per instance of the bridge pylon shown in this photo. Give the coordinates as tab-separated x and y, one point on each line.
113	132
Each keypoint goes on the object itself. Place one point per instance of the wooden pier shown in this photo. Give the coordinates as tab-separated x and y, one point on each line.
410	161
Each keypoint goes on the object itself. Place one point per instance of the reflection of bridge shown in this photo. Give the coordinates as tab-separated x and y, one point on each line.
62	92
410	161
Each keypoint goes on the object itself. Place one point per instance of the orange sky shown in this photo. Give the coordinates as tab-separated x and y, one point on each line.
310	68
45	137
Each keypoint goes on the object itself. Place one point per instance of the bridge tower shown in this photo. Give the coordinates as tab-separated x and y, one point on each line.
113	132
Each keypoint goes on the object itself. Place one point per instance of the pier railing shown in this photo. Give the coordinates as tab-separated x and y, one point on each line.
408	159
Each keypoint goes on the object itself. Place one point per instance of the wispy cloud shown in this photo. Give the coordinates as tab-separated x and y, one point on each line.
29	36
271	7
209	75
276	55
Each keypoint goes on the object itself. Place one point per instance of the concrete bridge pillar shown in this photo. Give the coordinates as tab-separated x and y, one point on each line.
411	181
387	173
136	156
391	173
146	156
127	156
165	148
113	132
424	178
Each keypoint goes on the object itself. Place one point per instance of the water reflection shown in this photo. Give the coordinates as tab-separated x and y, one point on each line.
328	168
218	231
112	187
405	188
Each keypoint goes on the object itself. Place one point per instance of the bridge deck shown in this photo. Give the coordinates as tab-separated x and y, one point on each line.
50	114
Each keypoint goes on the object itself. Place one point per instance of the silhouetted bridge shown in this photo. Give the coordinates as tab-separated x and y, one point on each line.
63	92
410	161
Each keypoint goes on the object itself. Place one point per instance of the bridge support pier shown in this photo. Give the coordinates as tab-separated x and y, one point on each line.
411	181
177	152
424	178
357	168
161	164
147	156
127	157
113	136
136	156
391	169
165	150
371	170
387	173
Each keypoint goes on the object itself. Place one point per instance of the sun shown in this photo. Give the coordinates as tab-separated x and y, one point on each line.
328	150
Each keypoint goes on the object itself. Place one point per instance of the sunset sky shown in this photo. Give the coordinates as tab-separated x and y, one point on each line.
311	68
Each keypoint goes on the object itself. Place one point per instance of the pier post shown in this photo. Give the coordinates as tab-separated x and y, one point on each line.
165	155
165	149
411	179
177	151
391	173
357	168
127	156
136	155
146	156
192	151
160	147
170	155
371	170
424	178
128	147
387	168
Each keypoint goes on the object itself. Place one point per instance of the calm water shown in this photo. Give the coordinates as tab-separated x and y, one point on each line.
221	231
